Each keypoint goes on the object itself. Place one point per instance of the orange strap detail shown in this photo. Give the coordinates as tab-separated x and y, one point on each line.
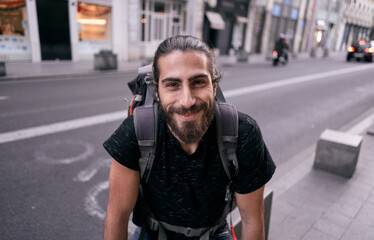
233	232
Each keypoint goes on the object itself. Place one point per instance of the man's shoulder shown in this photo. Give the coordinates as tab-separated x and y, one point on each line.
248	127
246	121
129	121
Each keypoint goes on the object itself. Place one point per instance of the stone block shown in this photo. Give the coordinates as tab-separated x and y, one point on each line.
105	60
371	129
337	152
2	69
242	56
268	200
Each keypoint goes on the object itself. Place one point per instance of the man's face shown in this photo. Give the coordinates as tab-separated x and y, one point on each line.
186	94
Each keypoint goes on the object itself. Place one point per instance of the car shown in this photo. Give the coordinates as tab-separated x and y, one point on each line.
361	50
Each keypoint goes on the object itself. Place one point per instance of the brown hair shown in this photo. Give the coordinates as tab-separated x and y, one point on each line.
185	43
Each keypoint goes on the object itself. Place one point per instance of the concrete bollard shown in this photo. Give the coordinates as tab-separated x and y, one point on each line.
268	199
337	152
242	56
2	69
105	60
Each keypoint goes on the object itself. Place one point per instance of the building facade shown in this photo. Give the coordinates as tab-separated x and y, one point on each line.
74	30
357	20
38	30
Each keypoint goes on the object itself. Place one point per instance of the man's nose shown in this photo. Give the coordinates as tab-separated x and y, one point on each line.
187	99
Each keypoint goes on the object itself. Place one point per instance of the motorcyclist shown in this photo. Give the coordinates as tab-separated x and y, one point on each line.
281	46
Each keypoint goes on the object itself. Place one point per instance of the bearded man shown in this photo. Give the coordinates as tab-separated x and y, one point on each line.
187	185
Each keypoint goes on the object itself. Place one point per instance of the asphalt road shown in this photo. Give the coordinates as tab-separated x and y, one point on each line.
54	186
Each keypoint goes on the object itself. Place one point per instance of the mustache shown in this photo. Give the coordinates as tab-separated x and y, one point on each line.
193	109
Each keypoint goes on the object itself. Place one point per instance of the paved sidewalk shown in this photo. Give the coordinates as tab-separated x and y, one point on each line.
60	69
67	69
323	206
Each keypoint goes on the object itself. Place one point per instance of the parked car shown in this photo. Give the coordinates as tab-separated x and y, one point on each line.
361	50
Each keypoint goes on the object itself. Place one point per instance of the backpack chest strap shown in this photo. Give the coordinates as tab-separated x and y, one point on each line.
202	233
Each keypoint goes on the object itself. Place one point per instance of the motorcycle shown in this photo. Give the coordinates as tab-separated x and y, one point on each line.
280	57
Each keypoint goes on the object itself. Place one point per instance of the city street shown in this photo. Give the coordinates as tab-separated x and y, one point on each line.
54	170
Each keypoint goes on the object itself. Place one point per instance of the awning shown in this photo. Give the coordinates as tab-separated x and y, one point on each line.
216	20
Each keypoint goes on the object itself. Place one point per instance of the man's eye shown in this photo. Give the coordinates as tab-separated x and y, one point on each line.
199	82
171	85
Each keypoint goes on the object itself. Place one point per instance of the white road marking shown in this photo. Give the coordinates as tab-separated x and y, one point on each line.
281	83
110	117
3	97
41	153
61	126
91	205
66	106
88	173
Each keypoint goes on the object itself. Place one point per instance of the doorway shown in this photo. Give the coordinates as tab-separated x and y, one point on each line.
54	30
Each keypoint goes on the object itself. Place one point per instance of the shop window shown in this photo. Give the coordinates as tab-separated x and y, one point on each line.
159	7
14	42
94	23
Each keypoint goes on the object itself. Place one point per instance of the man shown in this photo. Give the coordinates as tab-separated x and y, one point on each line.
187	184
281	46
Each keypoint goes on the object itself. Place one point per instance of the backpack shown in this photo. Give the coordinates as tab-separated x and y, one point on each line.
144	108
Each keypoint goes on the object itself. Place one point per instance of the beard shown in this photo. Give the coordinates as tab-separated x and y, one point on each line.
189	131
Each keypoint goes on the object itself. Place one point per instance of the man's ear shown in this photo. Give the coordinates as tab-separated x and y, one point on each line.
215	85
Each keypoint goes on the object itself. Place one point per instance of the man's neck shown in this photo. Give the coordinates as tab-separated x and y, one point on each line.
189	148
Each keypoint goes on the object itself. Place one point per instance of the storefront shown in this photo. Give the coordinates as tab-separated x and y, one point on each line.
158	20
94	29
14	35
225	24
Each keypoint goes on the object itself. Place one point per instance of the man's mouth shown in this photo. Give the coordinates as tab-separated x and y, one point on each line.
188	115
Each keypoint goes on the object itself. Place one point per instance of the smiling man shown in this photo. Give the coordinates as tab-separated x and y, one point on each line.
187	188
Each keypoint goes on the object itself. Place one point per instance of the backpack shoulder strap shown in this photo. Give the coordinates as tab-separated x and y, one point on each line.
146	126
227	136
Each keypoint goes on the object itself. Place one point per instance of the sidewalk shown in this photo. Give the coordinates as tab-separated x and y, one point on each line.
60	69
323	206
67	69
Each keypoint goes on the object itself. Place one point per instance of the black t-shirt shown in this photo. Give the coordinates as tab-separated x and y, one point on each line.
189	190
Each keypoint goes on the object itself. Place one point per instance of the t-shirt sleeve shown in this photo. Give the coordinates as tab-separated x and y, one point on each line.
256	166
123	145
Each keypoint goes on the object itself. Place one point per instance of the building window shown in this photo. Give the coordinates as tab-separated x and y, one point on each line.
94	26
276	10
14	41
294	13
160	19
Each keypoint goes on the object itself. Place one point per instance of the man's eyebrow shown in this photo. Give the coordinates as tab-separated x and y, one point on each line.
199	75
171	79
